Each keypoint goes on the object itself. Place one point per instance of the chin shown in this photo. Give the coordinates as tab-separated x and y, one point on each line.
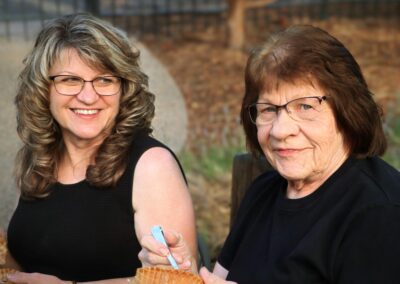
291	173
88	135
292	176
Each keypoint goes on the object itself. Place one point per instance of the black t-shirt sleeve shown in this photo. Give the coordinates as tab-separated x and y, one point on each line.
370	250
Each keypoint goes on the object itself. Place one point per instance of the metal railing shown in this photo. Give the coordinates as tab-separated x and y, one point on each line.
23	19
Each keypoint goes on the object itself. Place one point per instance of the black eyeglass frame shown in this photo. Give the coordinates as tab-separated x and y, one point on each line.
278	107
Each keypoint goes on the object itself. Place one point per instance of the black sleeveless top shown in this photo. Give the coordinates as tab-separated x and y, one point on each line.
80	232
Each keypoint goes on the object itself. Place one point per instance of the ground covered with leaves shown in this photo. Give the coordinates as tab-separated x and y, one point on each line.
211	79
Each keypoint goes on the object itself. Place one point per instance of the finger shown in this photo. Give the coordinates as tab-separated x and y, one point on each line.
206	275
18	277
186	265
179	249
149	258
149	243
211	278
173	238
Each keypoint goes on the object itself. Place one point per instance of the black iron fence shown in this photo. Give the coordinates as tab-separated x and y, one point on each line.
22	19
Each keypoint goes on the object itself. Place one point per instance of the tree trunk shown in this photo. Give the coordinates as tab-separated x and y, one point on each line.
236	29
237	18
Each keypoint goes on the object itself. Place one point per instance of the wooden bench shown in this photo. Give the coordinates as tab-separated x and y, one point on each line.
246	168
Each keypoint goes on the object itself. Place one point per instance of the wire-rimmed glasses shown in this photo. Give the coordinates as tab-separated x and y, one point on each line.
69	85
301	109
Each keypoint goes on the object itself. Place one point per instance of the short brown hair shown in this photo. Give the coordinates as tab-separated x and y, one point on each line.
310	54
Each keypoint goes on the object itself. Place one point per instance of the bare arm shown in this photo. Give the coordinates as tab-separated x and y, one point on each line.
161	197
38	278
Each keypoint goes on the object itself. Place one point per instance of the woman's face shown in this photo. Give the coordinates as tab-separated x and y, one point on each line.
307	152
86	116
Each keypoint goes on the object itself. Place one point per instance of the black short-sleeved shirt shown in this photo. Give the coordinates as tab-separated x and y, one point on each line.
347	231
80	232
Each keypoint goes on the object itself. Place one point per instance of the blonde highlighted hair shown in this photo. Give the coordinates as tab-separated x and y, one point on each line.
104	47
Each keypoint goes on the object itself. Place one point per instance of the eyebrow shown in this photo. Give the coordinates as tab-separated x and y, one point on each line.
295	97
79	76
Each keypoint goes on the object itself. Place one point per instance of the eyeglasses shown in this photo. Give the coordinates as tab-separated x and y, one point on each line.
301	109
72	85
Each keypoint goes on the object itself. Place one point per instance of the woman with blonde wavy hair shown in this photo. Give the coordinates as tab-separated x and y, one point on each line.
92	179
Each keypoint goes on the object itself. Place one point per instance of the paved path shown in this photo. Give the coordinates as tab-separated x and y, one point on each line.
170	123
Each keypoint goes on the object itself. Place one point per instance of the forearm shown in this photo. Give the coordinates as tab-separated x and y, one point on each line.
108	281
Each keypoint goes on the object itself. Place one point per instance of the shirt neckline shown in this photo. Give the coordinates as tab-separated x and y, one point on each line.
69	185
305	202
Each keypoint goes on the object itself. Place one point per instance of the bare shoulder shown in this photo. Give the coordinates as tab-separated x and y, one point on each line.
156	158
157	169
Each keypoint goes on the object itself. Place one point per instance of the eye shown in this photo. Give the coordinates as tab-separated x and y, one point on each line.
303	107
266	108
69	79
105	80
303	104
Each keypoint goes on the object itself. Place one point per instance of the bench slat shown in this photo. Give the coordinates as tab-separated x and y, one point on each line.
246	168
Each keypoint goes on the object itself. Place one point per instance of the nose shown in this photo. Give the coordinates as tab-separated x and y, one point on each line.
87	95
283	125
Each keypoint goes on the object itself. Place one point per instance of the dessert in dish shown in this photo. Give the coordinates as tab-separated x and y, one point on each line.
156	275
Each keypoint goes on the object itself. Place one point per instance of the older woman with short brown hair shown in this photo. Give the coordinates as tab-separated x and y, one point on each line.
330	212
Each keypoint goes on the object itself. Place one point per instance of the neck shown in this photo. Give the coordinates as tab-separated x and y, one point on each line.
301	188
75	161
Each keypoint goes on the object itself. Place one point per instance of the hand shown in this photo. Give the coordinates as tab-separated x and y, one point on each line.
34	278
210	278
154	253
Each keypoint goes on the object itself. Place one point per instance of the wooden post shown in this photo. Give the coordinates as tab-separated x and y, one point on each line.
245	169
236	11
237	18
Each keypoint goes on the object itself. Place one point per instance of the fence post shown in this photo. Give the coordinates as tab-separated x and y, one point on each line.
246	168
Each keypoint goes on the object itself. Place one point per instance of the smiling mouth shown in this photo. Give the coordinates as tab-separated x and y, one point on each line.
287	152
85	111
